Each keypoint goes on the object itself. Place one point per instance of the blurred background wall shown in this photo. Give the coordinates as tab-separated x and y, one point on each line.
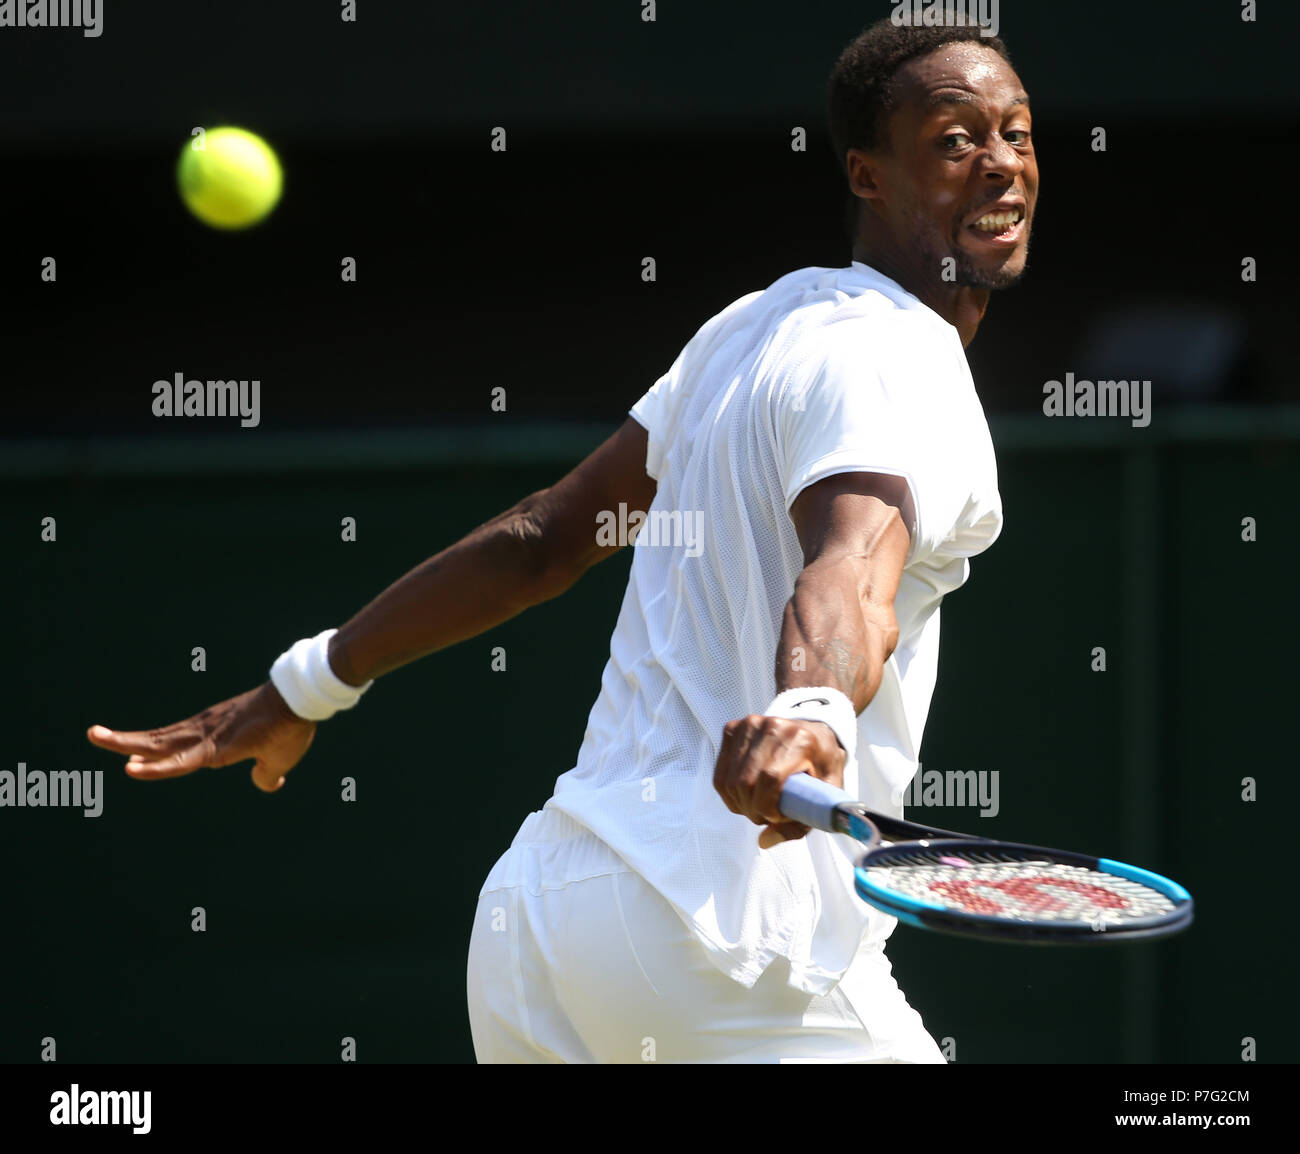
522	270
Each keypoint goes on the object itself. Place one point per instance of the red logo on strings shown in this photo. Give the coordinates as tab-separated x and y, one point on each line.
974	896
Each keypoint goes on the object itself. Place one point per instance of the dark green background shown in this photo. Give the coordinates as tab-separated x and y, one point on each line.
328	919
410	67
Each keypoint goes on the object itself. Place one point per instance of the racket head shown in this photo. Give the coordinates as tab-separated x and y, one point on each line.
957	883
1006	891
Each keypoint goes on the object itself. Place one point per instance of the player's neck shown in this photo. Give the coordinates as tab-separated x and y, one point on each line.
961	306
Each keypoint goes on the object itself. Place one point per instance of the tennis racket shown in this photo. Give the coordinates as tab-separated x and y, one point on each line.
982	888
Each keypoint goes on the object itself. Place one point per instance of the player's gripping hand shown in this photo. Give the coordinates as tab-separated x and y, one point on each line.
758	753
257	724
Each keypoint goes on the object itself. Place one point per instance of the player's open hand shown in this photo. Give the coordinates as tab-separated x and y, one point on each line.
257	724
758	753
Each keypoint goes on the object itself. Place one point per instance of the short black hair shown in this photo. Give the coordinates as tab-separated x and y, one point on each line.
861	91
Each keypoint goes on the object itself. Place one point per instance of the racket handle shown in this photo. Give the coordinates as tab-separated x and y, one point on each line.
812	801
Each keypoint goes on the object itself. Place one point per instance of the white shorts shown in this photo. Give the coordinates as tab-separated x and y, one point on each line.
574	957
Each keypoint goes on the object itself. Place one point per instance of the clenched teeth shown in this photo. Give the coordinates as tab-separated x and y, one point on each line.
998	221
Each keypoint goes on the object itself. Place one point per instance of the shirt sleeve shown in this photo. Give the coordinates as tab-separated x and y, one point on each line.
648	412
836	422
658	408
881	406
979	525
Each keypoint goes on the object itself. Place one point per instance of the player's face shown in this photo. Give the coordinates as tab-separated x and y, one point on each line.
962	173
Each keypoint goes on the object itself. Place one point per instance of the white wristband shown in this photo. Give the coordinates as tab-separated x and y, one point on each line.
820	703
308	685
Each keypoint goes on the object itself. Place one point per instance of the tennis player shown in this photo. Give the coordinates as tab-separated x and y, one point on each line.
826	437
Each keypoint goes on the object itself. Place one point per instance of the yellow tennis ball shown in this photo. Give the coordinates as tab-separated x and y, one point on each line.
229	177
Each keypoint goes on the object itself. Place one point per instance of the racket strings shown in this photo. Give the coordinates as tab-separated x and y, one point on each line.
1003	886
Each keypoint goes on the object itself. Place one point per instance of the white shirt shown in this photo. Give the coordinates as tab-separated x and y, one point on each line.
830	370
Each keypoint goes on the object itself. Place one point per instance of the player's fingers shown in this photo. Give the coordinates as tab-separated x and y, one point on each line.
780	750
782	831
737	737
733	776
146	742
196	756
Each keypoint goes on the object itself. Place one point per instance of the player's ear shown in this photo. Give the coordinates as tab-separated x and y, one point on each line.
864	173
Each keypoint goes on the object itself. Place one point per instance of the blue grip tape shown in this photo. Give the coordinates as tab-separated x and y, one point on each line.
810	800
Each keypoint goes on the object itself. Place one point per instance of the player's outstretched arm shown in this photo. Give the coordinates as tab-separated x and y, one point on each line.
528	554
840	623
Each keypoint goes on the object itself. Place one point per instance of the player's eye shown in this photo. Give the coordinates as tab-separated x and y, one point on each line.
954	139
1016	136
